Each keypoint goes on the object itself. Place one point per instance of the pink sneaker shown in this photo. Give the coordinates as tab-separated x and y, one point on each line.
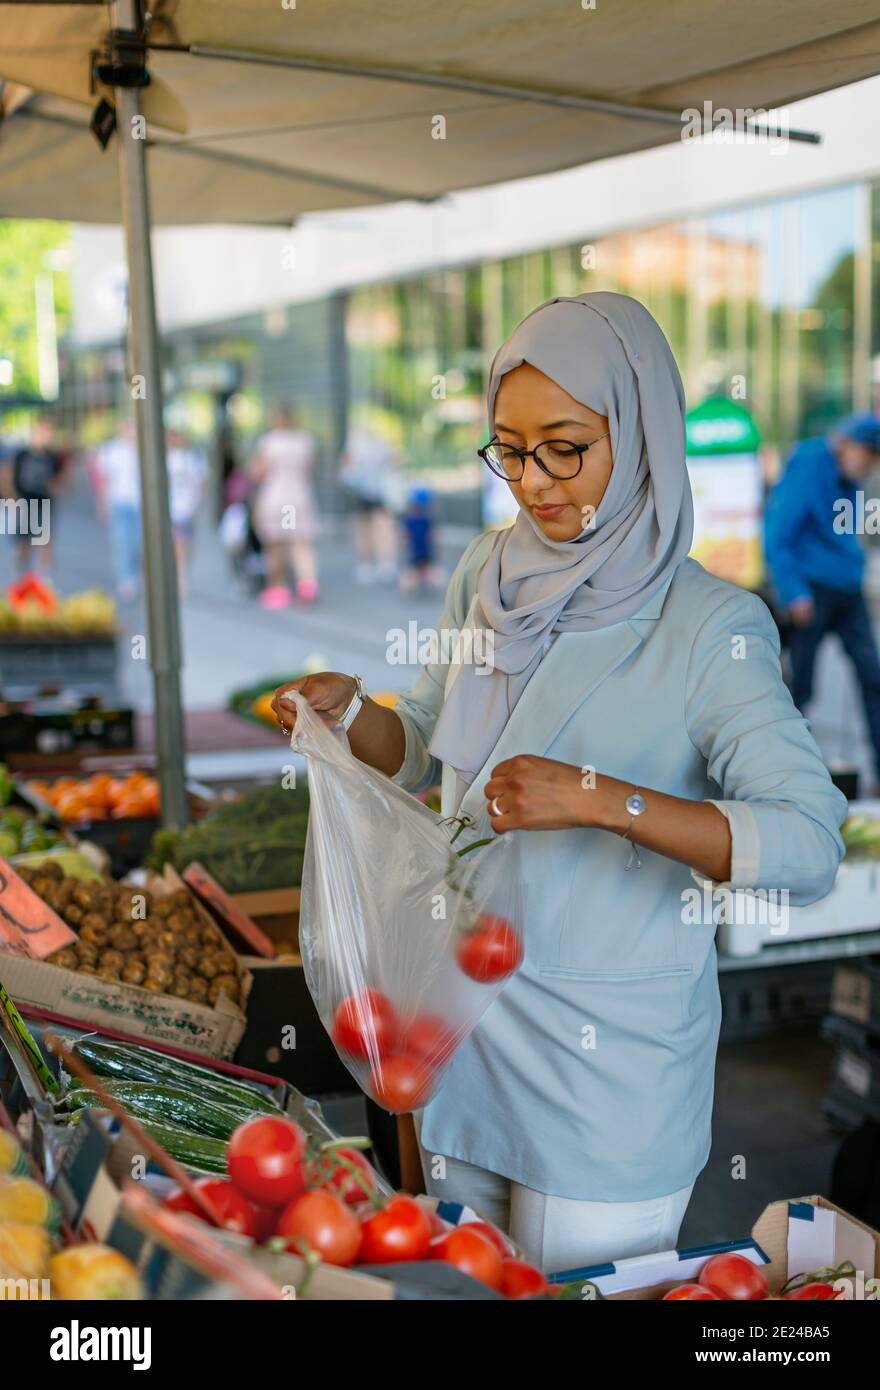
276	596
307	590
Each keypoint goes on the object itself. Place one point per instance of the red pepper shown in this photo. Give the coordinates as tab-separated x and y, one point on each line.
31	587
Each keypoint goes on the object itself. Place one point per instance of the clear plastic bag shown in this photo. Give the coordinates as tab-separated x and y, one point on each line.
405	941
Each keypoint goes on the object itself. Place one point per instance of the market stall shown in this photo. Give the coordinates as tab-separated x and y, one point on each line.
157	1139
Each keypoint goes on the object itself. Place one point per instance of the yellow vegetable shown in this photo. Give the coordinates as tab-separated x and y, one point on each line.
388	698
92	1272
22	1199
262	707
24	1254
12	1160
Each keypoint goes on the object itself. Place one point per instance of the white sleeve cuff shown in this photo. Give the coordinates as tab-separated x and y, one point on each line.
745	846
416	770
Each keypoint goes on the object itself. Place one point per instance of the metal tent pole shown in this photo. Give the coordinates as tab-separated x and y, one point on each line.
145	363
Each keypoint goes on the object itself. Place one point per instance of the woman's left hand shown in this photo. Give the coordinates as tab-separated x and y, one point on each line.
529	793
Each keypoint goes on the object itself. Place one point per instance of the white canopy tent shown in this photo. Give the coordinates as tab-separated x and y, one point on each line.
238	111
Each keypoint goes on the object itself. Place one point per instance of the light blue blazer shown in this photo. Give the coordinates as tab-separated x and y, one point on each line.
591	1075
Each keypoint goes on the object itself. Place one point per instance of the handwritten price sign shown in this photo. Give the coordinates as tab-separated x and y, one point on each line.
28	926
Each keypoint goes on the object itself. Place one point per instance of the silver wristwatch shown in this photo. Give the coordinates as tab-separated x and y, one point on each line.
356	705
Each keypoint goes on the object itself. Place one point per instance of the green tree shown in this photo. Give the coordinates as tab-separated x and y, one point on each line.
25	252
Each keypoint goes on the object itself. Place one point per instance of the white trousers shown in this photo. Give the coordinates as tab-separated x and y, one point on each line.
557	1233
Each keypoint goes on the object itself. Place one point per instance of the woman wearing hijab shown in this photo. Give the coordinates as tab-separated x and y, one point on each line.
630	717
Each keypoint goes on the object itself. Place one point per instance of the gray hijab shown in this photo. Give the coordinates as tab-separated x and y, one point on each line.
610	354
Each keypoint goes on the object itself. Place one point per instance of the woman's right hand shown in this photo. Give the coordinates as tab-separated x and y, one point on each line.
328	692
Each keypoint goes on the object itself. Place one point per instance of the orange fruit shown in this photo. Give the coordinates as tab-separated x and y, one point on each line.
71	806
130	807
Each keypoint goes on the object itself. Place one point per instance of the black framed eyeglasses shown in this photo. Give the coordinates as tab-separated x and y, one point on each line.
558	458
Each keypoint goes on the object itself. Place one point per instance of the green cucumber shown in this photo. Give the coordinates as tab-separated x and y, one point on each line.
197	1113
195	1151
130	1063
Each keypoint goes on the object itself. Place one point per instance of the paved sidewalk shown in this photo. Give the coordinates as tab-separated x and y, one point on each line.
228	640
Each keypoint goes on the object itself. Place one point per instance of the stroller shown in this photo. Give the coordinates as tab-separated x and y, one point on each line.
240	540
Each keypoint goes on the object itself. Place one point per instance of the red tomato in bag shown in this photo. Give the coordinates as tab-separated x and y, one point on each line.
733	1277
265	1160
318	1221
399	1231
366	1026
428	1036
491	951
401	1083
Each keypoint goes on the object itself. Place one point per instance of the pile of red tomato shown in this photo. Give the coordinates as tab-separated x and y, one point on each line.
322	1203
734	1277
404	1053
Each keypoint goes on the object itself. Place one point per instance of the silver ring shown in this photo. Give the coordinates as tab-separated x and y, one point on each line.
494	808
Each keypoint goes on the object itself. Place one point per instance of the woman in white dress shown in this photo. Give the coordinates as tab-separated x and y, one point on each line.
284	512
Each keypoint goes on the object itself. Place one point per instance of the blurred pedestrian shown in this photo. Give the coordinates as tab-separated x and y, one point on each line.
816	558
369	470
237	533
420	570
37	480
187	471
284	511
119	474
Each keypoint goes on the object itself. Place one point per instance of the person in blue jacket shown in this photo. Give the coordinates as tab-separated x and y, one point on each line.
813	520
625	714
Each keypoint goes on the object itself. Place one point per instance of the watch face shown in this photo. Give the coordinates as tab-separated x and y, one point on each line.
635	804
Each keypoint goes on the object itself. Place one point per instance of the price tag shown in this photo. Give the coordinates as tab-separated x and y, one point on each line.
218	900
28	926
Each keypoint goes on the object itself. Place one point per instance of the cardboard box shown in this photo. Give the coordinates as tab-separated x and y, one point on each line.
275	911
789	1238
211	1032
853	905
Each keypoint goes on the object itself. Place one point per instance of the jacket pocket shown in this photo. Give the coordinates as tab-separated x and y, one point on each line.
659	972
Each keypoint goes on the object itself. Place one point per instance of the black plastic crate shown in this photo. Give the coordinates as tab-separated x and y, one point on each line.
279	999
28	665
854	1091
59	731
772	999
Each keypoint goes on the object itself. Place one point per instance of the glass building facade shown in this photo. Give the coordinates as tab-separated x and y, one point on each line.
776	304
